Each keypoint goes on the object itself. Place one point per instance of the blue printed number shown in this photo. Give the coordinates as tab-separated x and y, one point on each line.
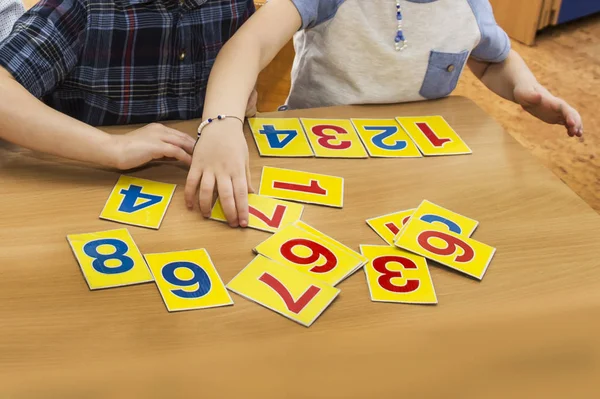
273	136
387	131
99	263
132	194
200	278
435	218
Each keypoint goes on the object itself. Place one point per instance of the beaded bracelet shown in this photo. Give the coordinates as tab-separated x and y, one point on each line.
218	118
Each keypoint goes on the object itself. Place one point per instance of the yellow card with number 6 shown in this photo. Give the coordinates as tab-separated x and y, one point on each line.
395	275
290	293
188	280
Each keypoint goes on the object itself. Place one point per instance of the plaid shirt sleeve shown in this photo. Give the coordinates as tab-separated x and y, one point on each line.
45	44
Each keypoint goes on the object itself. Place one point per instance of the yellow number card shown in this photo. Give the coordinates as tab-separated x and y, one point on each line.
384	138
138	202
294	185
109	259
323	258
188	280
388	226
333	138
266	213
395	275
290	293
450	249
433	135
280	137
445	219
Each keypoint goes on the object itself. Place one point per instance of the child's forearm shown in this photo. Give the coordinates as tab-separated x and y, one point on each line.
27	122
243	57
503	77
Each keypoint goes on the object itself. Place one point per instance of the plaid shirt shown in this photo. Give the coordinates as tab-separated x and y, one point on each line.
109	62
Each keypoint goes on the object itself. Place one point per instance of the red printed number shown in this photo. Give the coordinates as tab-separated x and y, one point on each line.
316	251
293	306
273	221
326	139
312	188
385	280
431	136
452	244
391	226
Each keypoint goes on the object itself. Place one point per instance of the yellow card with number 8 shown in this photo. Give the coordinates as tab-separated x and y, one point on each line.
109	259
395	275
188	280
460	253
308	253
280	137
433	135
295	295
295	185
333	138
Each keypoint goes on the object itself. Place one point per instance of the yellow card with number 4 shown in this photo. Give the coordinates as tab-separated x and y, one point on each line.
266	214
295	185
460	253
280	137
433	135
333	138
109	259
321	258
290	293
388	226
395	275
188	280
138	202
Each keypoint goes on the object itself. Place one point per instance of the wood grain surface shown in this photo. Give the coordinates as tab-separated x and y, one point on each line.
528	330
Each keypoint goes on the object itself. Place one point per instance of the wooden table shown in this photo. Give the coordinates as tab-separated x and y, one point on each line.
530	328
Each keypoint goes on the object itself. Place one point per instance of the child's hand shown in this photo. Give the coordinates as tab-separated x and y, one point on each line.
221	158
540	103
153	141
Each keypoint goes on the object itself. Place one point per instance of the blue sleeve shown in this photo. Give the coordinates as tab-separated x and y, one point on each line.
494	45
315	12
44	45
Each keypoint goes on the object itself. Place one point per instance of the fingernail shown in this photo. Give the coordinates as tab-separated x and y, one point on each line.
243	223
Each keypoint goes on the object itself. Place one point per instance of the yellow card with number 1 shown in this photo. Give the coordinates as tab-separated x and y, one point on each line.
434	136
295	295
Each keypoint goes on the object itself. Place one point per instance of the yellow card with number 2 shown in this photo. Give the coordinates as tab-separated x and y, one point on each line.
295	295
298	186
395	275
109	259
188	280
138	202
384	138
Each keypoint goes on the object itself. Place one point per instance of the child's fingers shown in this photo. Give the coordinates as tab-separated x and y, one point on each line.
187	143
240	191
174	151
227	199
191	186
207	188
184	136
249	179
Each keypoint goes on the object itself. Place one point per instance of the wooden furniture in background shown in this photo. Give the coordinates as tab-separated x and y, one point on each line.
523	19
529	329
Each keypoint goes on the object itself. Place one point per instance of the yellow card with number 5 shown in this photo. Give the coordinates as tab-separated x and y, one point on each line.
290	293
188	280
280	137
395	275
295	185
334	138
138	202
450	249
433	135
109	259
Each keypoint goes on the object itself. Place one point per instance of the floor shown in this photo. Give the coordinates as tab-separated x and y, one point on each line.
566	60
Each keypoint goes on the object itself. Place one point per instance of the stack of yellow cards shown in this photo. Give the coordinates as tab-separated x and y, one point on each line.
437	234
403	137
